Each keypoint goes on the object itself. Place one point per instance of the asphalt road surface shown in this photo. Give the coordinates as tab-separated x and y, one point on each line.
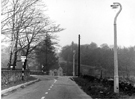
49	88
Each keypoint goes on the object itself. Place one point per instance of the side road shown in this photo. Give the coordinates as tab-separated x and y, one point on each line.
8	90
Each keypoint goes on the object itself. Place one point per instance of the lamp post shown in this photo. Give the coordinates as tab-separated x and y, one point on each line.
116	77
23	60
73	62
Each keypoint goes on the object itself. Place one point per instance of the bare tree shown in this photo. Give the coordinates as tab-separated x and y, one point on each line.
25	26
36	34
14	22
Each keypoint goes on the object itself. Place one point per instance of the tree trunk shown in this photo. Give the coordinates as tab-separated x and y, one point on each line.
25	64
15	59
15	55
10	60
27	53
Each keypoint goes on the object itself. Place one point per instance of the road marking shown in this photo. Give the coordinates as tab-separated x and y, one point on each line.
55	80
46	92
43	98
49	89
51	86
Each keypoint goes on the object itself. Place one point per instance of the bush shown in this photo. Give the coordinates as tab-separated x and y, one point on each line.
103	88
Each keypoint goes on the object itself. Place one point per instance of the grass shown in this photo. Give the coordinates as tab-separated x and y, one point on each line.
100	90
17	83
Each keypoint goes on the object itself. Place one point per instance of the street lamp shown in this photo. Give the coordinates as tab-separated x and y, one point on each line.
23	60
116	77
73	62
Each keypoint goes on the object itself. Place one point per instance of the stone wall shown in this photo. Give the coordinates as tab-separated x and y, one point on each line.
9	76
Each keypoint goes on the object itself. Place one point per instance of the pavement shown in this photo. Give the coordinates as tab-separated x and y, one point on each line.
48	87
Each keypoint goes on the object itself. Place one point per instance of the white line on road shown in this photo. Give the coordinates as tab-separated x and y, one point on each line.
46	92
49	89
55	80
51	86
43	98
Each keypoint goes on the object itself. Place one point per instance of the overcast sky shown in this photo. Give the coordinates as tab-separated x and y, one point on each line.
93	20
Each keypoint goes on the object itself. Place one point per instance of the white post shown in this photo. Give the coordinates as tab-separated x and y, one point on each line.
23	60
74	63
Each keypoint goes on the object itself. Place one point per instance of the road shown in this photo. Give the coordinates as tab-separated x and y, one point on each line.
50	88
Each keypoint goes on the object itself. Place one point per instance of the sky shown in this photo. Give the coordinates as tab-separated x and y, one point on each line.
93	20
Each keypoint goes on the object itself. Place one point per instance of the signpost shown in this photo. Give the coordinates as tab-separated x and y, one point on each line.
23	60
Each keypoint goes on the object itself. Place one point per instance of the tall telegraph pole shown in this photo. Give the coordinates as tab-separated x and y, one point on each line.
79	55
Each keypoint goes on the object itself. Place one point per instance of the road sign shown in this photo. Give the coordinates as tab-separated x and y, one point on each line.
23	58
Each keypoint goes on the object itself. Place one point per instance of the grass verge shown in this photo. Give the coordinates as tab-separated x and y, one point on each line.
17	83
98	89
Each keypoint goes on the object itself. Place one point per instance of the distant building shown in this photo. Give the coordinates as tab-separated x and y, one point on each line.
51	73
60	71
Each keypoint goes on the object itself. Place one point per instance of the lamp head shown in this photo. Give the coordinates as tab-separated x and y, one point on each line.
115	5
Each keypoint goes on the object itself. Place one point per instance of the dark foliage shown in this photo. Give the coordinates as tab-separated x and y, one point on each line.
103	88
103	58
45	54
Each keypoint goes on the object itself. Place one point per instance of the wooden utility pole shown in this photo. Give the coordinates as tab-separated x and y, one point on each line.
79	55
46	50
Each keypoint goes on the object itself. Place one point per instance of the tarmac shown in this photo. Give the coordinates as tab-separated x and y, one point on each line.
7	91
